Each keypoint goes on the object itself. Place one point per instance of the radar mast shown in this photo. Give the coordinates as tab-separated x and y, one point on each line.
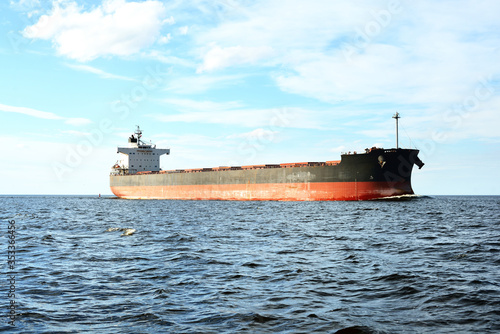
396	117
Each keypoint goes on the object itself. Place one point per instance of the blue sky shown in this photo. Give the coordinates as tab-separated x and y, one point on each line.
229	82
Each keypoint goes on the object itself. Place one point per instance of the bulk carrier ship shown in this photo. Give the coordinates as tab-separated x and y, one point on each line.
376	173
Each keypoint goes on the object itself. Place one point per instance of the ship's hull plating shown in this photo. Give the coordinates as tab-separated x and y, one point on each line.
377	174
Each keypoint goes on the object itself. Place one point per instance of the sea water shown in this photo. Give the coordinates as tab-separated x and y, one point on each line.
85	264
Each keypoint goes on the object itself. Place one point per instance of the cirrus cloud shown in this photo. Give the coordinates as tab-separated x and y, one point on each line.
44	115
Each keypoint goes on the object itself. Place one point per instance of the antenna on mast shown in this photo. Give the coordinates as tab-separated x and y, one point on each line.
397	130
138	133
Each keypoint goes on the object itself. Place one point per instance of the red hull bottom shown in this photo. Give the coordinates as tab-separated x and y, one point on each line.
321	191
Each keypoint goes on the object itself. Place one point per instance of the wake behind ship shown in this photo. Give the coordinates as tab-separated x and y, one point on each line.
376	173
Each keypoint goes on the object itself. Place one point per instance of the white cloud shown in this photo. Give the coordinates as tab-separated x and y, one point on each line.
292	24
183	30
167	58
397	74
29	112
25	4
169	20
399	53
203	106
44	114
114	28
259	133
165	39
187	140
77	121
338	149
376	56
218	58
202	83
76	133
270	118
99	72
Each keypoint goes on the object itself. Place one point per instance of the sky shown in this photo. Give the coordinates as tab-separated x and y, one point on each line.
237	82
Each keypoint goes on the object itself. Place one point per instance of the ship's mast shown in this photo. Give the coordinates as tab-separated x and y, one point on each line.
138	133
397	129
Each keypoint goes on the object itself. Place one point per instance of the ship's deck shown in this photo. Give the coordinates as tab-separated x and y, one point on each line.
226	168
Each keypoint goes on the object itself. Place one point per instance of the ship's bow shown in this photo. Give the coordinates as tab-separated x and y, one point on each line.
396	167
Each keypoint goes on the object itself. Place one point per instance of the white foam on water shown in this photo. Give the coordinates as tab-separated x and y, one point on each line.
126	231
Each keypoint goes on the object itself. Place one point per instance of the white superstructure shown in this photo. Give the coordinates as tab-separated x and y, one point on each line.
140	156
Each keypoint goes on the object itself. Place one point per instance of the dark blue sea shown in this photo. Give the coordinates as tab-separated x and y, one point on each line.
421	265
